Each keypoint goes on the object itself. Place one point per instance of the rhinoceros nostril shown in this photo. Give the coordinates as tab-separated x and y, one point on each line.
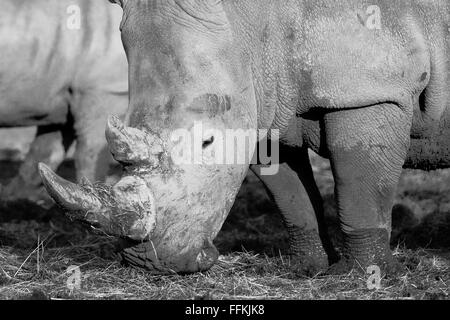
207	257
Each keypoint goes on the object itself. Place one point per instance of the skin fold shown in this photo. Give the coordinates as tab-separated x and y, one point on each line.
371	97
63	78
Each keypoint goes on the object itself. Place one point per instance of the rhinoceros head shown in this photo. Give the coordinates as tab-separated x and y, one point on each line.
190	91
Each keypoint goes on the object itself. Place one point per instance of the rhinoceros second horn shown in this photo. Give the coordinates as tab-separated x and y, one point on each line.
130	145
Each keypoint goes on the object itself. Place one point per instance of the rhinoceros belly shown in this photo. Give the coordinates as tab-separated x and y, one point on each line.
29	104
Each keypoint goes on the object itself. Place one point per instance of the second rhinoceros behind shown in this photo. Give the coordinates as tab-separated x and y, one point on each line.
62	68
352	80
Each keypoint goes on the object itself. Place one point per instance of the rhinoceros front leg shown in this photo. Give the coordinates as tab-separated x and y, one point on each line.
47	148
367	149
296	194
92	157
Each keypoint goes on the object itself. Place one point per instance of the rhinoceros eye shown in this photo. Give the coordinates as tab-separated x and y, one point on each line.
208	142
119	2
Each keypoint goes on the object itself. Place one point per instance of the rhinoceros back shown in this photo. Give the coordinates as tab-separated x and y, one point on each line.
52	48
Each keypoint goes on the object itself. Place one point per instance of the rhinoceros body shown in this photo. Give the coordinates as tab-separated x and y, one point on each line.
63	69
364	84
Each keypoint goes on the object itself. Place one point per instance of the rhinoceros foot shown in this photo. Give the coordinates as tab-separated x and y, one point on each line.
308	266
365	249
347	265
308	257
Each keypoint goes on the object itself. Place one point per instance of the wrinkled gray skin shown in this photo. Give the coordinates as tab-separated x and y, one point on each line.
313	70
65	81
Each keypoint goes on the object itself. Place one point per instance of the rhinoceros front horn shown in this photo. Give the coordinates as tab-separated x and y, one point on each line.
67	194
126	209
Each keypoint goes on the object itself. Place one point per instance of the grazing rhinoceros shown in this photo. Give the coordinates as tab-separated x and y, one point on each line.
62	67
353	80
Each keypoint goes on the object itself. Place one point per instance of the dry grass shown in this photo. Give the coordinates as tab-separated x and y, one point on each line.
37	246
236	276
